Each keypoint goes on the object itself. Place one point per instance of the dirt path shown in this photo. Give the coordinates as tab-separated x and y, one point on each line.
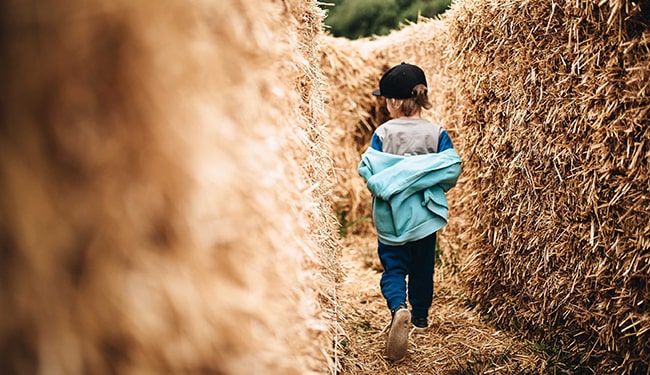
458	341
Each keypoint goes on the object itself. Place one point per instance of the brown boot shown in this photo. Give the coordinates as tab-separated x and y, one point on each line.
398	335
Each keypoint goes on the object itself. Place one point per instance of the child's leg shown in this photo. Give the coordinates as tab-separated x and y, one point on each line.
395	260
420	284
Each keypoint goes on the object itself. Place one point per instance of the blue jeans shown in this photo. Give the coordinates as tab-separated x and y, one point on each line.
415	260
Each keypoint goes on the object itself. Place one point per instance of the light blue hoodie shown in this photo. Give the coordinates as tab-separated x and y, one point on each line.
408	192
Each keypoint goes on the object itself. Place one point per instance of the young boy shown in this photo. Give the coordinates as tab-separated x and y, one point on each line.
408	168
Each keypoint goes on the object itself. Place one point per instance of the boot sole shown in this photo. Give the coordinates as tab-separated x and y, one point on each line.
398	335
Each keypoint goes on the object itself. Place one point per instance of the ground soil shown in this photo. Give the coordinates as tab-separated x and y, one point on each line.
459	340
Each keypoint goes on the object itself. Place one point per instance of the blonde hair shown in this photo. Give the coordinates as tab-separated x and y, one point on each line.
411	106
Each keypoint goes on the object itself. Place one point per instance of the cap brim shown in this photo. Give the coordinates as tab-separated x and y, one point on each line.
376	93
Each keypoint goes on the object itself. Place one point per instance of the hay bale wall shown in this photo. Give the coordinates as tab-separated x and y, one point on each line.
554	101
547	104
163	188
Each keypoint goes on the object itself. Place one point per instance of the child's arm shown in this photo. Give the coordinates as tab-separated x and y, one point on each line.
376	142
444	142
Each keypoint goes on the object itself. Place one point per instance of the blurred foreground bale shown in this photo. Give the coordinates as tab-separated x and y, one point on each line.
163	188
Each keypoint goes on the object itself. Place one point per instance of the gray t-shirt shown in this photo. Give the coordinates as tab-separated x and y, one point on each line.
409	136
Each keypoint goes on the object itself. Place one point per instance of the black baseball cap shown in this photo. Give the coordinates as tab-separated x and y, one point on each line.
398	82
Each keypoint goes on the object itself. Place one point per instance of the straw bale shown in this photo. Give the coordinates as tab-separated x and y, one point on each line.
547	104
164	188
554	103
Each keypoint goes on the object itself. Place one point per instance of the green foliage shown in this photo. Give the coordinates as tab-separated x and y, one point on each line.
345	224
359	18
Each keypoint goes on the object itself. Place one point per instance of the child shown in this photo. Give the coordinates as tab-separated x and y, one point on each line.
409	166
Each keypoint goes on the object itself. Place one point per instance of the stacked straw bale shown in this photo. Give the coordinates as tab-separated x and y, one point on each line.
164	186
554	104
548	106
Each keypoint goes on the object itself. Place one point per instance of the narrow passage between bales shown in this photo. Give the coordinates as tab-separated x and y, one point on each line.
457	341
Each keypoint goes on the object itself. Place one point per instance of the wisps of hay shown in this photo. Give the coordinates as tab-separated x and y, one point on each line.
164	188
547	104
458	341
555	111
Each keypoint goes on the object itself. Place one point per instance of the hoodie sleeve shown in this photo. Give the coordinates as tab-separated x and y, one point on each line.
372	163
364	170
417	173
